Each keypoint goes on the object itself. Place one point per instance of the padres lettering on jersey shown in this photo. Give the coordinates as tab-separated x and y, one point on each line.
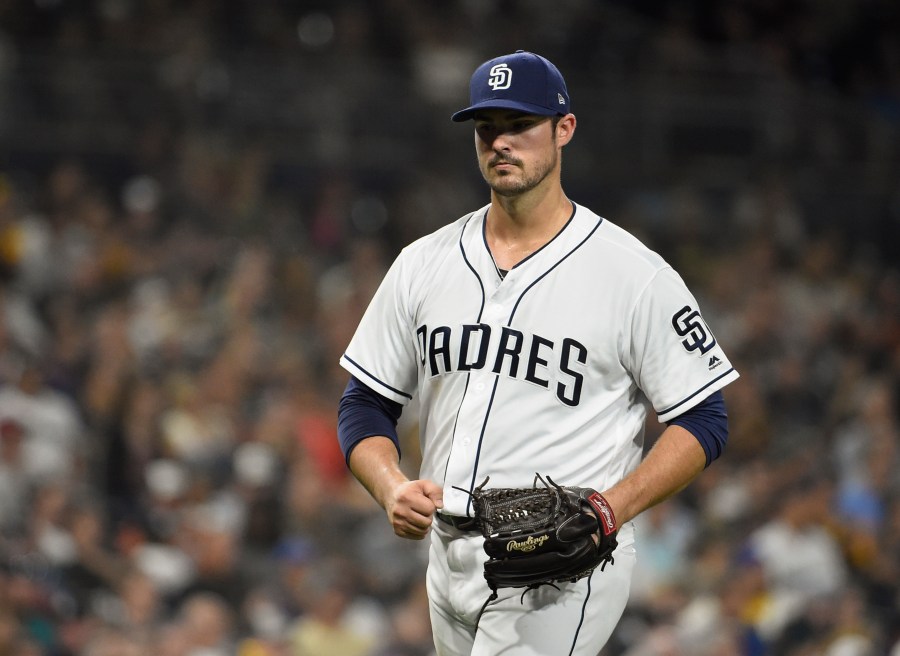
506	351
554	367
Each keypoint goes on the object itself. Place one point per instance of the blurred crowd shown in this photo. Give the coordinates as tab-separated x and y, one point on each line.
171	321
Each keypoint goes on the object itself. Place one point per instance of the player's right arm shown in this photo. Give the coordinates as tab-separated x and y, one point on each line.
367	432
384	362
410	504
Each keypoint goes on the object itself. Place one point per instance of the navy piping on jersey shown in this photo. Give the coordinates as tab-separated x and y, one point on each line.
547	272
487	416
686	399
525	259
462	251
583	613
376	379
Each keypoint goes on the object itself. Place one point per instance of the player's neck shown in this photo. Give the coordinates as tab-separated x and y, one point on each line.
516	227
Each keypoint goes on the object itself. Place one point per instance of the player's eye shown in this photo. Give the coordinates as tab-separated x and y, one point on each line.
485	130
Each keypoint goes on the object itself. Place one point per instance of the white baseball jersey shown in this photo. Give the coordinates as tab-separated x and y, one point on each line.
549	370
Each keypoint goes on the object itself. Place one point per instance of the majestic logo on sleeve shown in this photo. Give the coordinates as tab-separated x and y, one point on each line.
556	365
500	77
688	323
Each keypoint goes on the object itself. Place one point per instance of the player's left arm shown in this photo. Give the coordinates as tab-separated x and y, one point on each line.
675	358
686	447
674	461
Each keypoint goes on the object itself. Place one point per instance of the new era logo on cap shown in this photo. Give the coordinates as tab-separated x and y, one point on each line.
522	81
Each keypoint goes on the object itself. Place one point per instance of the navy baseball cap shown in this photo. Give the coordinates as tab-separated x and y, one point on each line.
522	81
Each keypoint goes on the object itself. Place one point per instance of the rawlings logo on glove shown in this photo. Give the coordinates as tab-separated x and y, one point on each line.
529	544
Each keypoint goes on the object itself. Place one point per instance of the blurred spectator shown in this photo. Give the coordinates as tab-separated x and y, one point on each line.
14	641
205	621
14	482
95	567
139	606
54	435
801	558
410	633
667	532
337	619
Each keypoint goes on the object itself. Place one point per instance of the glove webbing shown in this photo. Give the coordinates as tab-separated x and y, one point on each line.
527	510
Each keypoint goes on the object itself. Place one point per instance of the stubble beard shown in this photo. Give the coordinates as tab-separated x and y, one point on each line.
509	185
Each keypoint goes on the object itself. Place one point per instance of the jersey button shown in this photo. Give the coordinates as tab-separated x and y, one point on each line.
479	387
467	441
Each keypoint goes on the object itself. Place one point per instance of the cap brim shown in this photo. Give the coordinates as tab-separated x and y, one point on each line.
500	103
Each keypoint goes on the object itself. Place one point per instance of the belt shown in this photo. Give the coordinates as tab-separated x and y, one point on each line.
458	522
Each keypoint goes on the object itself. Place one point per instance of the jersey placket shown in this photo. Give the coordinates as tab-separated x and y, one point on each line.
468	453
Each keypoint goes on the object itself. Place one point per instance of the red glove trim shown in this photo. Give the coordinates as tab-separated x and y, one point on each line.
604	513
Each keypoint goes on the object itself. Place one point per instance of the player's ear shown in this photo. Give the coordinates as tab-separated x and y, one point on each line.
565	129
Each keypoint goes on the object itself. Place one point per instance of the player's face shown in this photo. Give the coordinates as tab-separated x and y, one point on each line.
516	151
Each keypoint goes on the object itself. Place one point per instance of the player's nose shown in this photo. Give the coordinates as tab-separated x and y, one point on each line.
501	145
502	138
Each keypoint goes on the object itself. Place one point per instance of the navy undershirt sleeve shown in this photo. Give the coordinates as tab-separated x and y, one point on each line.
708	422
362	413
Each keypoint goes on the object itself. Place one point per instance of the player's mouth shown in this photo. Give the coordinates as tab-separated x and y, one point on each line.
502	163
503	166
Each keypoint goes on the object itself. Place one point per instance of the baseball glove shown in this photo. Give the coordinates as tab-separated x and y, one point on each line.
543	535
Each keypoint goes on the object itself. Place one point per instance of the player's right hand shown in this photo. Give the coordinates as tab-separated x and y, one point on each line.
411	508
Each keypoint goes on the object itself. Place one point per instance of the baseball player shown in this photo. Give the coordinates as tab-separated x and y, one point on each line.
537	336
